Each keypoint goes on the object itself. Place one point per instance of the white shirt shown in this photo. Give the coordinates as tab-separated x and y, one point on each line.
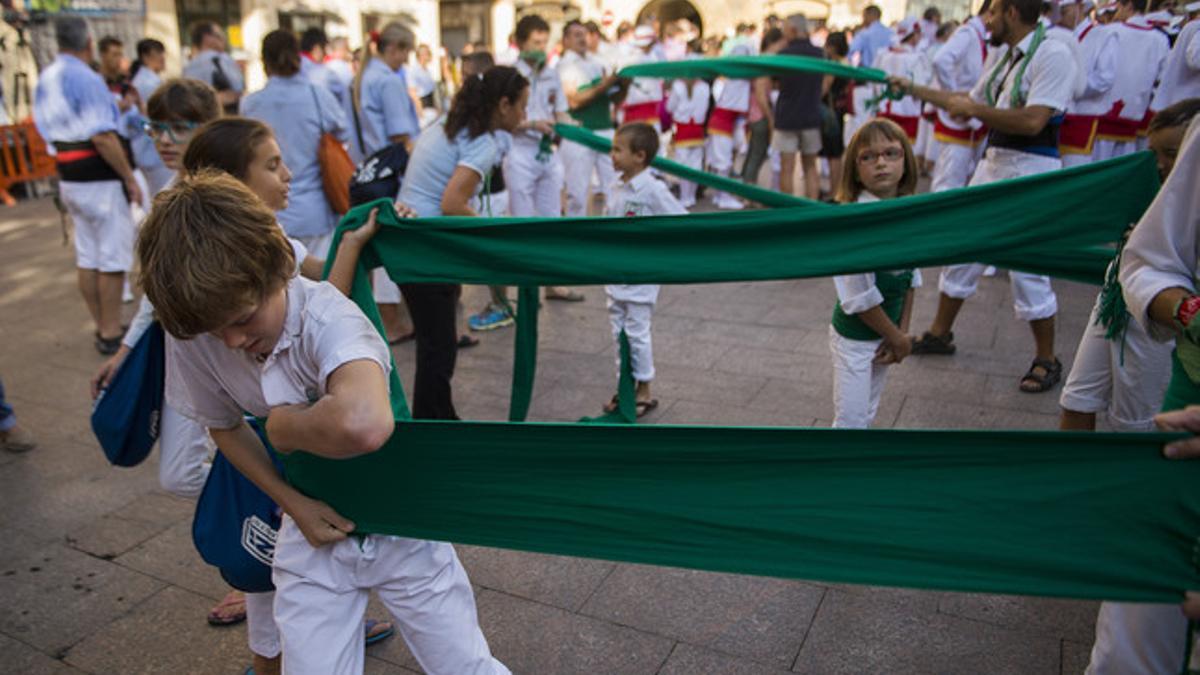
903	61
546	100
203	67
1071	42
322	330
1164	250
643	195
857	292
145	81
644	89
688	108
1181	73
575	71
958	64
1143	52
734	94
1048	81
1098	49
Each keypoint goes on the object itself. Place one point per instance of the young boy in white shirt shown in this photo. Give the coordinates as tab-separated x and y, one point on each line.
636	193
245	333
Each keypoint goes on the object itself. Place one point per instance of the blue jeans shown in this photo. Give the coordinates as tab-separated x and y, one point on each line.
8	419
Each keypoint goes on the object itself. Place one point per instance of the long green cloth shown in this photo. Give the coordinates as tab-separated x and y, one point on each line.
1040	513
745	67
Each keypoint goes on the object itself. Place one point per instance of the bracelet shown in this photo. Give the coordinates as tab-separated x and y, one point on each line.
1186	310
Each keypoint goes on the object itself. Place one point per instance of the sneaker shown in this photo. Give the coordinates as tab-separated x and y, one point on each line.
17	439
933	344
728	202
490	319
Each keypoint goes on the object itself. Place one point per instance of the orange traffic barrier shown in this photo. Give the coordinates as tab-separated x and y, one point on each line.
23	157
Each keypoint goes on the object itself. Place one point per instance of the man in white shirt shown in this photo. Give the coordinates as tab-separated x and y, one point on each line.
587	87
957	67
1181	74
725	123
1026	85
1098	56
1143	50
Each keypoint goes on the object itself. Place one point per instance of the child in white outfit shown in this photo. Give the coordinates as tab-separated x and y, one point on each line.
636	193
870	322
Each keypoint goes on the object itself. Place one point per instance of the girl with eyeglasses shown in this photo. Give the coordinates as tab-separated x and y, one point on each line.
869	330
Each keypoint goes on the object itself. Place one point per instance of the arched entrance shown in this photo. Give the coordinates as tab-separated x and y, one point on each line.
668	11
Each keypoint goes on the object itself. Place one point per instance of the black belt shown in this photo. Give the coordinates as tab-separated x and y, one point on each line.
427	100
1044	142
80	162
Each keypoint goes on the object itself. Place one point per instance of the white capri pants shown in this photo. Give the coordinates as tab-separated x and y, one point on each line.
955	164
534	186
719	153
186	453
262	634
691	156
857	381
579	163
634	319
1138	639
104	227
1130	390
321	596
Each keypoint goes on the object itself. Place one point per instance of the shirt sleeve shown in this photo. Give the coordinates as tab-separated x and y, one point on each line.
233	72
1162	251
950	55
141	321
342	333
400	118
1102	72
857	292
478	154
1052	82
979	91
560	97
570	75
193	390
1192	52
98	111
665	203
333	118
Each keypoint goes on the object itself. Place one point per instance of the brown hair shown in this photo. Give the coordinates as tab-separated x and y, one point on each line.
849	186
210	248
1178	114
183	99
642	138
227	144
281	53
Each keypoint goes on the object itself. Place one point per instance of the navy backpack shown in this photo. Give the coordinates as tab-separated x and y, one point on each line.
127	413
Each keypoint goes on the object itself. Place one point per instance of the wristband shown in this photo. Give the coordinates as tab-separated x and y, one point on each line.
1186	310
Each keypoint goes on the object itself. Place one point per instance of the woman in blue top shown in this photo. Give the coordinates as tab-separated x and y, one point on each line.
298	112
446	170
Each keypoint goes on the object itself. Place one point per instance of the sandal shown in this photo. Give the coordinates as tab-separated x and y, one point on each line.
569	296
220	615
644	407
377	631
466	341
1042	382
934	344
611	406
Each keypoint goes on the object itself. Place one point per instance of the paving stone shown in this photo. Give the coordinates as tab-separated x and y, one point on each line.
35	494
158	508
164	634
57	596
1049	617
770	363
690	412
755	617
172	558
688	659
109	536
857	633
1075	657
558	581
376	666
533	638
925	413
18	657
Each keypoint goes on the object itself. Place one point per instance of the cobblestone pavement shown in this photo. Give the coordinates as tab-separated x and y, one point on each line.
98	573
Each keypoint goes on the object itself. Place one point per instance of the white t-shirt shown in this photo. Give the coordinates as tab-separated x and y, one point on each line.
212	384
687	108
644	195
1143	50
958	64
546	100
1098	49
1181	73
1048	81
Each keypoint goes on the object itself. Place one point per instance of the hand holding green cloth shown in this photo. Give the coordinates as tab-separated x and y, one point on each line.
746	67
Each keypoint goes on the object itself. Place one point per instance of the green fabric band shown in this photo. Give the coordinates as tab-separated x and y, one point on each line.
746	67
894	288
596	115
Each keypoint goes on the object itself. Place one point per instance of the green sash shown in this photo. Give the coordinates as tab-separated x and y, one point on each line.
894	287
597	115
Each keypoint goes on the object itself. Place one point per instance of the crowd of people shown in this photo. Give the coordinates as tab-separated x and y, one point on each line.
219	196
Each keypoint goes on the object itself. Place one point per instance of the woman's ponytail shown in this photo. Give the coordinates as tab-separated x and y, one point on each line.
476	101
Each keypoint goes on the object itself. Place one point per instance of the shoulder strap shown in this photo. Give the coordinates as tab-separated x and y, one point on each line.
355	98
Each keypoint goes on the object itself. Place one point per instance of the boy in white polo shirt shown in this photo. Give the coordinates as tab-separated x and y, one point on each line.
246	334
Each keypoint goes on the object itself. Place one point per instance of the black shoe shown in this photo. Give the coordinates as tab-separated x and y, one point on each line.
934	344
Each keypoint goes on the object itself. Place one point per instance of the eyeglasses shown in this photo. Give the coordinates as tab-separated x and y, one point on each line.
176	131
891	155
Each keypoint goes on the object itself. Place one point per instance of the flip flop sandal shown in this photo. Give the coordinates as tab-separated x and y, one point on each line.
1044	382
612	406
411	335
216	619
466	341
369	625
571	296
644	407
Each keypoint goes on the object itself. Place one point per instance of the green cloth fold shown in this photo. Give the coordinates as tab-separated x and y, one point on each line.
746	67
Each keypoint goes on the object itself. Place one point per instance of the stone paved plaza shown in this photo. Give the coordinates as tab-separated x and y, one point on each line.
98	573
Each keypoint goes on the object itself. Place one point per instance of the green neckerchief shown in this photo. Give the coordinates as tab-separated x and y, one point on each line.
1016	100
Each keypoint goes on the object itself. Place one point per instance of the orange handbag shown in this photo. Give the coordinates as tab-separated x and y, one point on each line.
336	168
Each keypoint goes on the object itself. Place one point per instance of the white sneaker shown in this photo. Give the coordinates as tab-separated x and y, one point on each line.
727	202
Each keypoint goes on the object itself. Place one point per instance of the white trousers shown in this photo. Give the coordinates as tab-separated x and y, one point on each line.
719	153
634	319
321	596
186	451
104	225
954	166
386	291
1138	639
579	163
534	186
691	156
1128	378
857	381
318	246
925	145
262	635
1033	297
1101	149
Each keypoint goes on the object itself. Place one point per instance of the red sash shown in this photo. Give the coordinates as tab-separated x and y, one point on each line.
1144	127
1113	127
1077	134
641	112
908	124
721	121
688	134
971	137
